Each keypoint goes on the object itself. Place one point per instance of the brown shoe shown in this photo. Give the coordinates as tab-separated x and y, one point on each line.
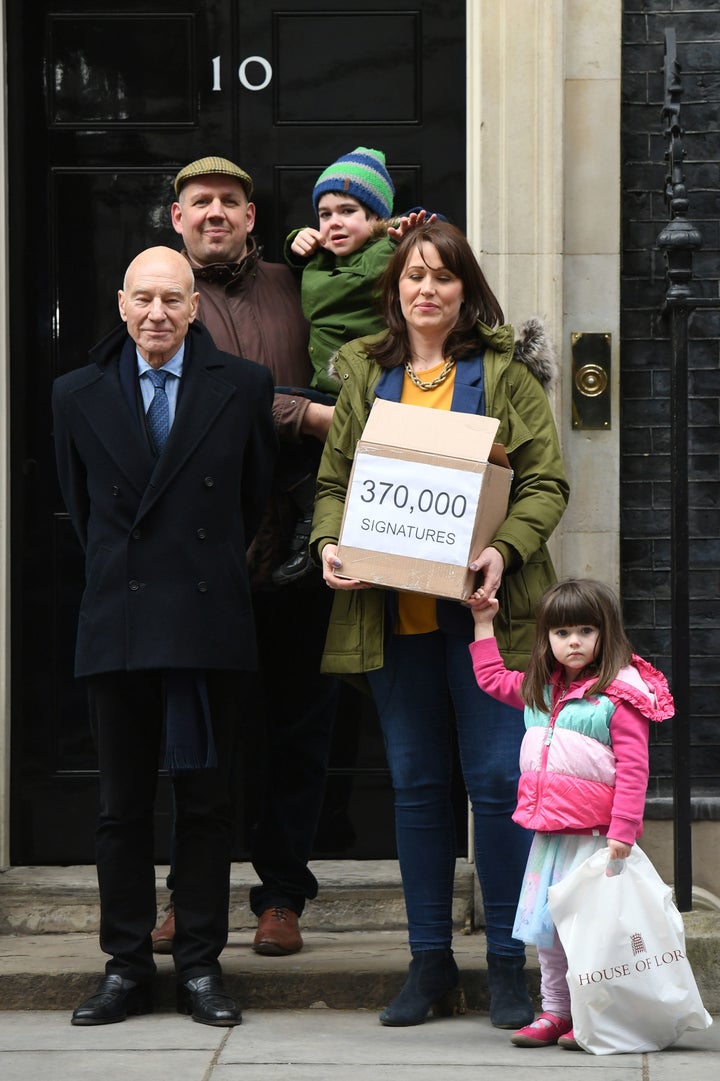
278	933
162	936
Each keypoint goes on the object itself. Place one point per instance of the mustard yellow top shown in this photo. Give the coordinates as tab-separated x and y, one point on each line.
417	613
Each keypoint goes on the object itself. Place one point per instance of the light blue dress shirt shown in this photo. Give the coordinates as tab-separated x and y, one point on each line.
174	366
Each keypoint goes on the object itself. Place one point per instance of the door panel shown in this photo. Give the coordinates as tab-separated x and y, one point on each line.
105	70
105	106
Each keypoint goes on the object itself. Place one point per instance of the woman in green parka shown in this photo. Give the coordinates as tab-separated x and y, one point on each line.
447	347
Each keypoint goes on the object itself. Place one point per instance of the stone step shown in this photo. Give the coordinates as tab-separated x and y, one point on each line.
360	895
344	970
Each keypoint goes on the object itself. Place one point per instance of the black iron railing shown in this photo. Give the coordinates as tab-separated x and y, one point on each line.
679	239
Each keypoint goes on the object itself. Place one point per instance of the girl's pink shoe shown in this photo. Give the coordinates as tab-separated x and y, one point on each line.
569	1042
545	1031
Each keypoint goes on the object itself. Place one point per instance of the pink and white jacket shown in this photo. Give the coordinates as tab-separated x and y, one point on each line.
583	765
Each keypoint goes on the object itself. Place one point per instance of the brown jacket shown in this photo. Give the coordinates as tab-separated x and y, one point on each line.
252	309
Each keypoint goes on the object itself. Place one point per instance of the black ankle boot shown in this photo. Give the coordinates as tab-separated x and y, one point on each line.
510	1005
432	982
299	563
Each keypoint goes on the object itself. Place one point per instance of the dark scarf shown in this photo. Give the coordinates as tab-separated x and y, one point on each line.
189	742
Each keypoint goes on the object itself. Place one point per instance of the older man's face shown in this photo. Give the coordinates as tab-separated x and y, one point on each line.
158	303
214	218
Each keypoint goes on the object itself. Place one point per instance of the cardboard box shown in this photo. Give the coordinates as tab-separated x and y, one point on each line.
428	490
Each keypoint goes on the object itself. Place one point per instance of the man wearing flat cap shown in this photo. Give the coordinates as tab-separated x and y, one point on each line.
252	308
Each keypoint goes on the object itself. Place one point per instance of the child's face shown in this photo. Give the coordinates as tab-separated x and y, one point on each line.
574	648
344	223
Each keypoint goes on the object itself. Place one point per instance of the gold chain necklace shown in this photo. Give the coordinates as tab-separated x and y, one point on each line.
449	365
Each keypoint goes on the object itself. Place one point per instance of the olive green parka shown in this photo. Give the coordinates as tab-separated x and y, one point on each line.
514	374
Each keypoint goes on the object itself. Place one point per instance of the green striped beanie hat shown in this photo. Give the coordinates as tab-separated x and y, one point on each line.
361	174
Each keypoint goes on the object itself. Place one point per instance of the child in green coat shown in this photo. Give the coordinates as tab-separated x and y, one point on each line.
341	261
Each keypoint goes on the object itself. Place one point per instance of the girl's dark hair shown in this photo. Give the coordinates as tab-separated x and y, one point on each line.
571	603
479	302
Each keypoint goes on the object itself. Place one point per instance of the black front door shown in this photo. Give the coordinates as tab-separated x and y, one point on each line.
106	102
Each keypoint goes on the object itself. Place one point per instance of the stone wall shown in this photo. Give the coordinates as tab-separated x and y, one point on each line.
645	548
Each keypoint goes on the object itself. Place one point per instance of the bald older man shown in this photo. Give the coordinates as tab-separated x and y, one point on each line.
165	449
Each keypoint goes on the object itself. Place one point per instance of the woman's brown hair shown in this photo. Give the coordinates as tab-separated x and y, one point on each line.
479	302
572	603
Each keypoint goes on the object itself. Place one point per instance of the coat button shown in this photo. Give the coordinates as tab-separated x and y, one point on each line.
202	587
136	534
208	482
115	490
134	585
201	534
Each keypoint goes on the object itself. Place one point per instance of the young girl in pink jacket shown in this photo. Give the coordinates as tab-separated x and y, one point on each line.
583	762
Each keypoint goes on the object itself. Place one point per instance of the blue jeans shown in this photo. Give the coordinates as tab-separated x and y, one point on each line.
412	692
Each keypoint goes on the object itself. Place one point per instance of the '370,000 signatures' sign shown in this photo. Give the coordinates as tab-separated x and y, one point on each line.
411	509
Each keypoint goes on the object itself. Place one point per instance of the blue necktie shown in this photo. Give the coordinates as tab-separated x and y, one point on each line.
158	414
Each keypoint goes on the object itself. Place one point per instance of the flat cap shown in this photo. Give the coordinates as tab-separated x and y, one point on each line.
213	166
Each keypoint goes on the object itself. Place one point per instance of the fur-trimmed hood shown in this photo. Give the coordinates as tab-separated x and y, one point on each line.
534	348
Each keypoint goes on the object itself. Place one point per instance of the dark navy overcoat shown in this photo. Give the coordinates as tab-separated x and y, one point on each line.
165	538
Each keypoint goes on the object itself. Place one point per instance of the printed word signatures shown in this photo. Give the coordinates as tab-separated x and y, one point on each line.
412	532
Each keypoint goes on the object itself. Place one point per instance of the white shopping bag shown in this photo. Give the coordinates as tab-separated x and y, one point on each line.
631	985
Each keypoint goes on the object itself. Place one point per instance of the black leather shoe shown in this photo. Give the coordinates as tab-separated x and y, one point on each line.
205	998
114	1000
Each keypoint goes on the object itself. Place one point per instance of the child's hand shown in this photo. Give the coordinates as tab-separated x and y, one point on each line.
396	232
306	241
618	850
484	610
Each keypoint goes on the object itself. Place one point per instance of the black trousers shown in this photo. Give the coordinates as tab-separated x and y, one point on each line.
296	708
127	722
